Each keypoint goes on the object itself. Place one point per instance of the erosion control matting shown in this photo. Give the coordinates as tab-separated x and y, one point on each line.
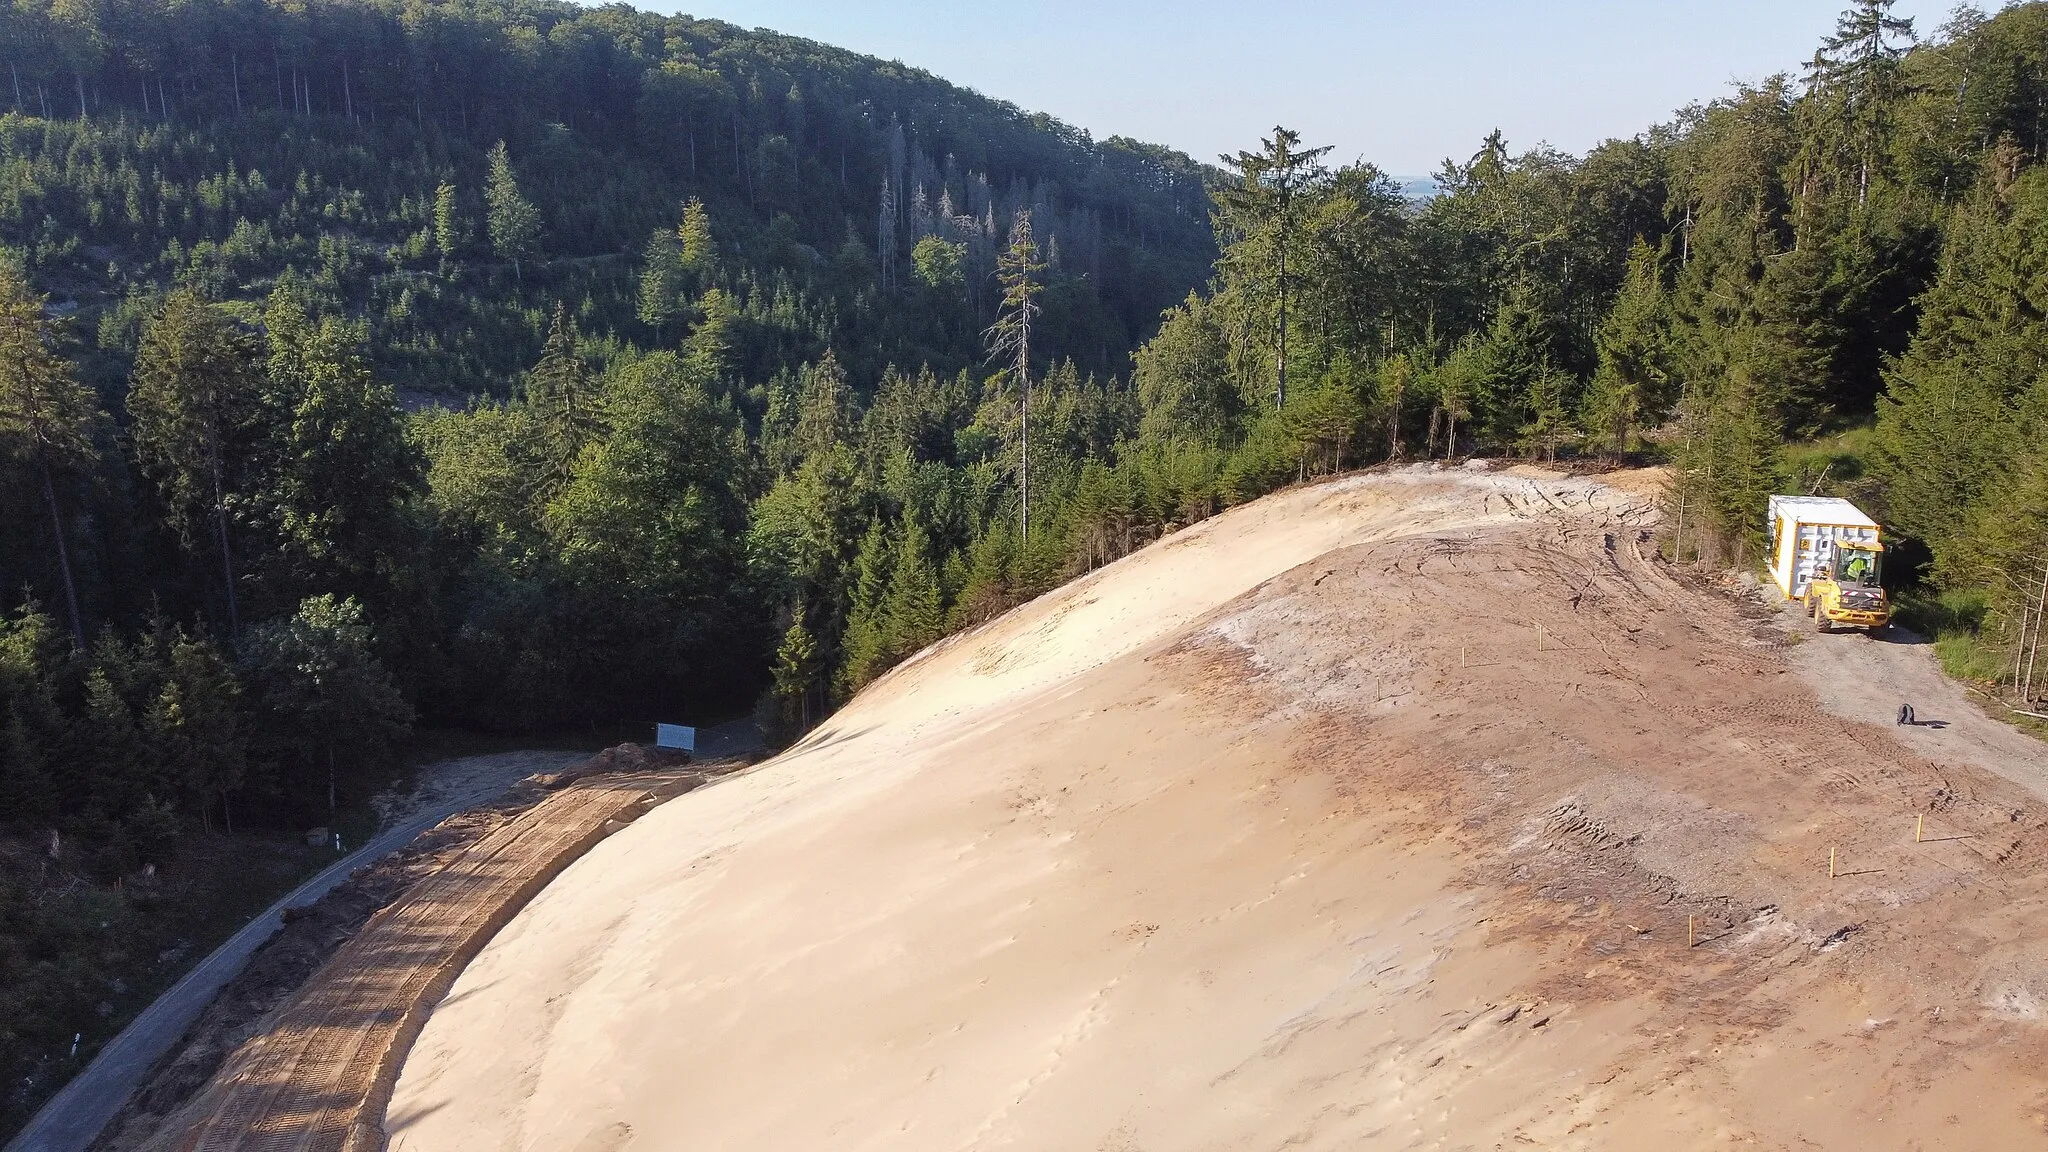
320	1076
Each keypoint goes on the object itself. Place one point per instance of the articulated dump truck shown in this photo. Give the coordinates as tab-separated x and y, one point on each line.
1826	554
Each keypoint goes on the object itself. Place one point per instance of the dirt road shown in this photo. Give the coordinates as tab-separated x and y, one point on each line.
316	1078
1866	678
75	1116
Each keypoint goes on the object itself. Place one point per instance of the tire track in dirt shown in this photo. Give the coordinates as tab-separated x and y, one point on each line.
318	1078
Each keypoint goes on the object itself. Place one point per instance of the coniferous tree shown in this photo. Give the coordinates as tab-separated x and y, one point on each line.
46	416
447	223
514	221
1630	389
868	639
698	251
561	392
1019	272
661	283
195	393
1262	207
916	611
796	673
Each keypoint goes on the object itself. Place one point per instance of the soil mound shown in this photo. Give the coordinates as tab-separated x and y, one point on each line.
1419	809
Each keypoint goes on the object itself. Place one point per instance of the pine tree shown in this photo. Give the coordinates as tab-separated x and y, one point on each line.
46	415
868	642
447	225
916	611
661	283
796	673
1262	208
561	392
1632	384
514	221
699	252
1018	270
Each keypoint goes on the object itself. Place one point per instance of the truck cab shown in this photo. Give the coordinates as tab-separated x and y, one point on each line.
1847	588
1827	556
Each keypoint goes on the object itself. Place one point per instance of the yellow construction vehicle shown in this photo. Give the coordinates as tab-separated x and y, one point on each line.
1826	554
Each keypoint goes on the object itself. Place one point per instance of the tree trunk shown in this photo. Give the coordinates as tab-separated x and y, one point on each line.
1280	390
332	808
1394	427
63	557
227	563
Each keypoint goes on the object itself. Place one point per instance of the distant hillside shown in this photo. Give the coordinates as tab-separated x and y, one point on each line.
1419	188
225	141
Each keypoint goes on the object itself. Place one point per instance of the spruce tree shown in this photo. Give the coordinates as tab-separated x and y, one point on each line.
562	394
514	221
916	607
869	640
1631	387
698	252
46	416
796	673
1020	273
1262	208
447	224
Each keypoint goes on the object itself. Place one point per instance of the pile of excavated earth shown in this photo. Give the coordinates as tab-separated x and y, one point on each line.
1419	809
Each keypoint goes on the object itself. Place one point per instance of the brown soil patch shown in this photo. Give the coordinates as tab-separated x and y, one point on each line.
299	1051
1418	810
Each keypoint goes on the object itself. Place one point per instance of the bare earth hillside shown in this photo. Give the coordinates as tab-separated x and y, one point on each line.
1369	815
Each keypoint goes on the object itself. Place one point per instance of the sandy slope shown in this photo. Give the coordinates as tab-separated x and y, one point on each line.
1369	815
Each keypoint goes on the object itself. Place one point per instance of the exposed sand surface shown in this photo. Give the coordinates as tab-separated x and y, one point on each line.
1369	815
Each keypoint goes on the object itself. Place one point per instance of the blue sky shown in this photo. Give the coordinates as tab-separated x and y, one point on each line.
1401	84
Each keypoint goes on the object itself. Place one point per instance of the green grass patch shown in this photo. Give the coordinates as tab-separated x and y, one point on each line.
1832	465
1965	656
1955	622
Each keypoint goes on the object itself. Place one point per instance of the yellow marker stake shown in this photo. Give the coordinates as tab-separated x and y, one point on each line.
1919	826
1831	863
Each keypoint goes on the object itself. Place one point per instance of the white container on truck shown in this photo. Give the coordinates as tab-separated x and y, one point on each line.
1825	552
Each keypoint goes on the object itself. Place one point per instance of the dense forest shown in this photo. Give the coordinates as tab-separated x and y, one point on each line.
367	367
379	365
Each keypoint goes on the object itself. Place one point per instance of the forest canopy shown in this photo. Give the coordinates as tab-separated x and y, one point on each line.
527	368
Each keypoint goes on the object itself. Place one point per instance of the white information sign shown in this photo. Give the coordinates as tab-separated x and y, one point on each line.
675	736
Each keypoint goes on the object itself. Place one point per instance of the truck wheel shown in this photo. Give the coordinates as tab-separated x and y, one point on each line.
1821	623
